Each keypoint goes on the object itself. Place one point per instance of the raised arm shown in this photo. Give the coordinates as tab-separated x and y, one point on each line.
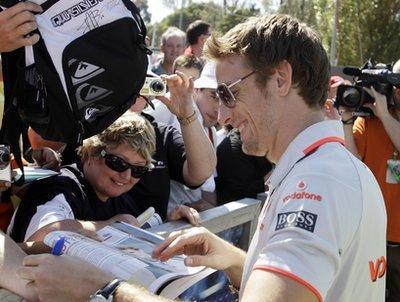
390	121
200	154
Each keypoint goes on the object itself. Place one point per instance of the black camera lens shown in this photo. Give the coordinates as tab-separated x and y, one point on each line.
4	156
157	86
351	97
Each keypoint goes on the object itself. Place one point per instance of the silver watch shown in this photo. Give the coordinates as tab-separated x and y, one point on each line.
106	293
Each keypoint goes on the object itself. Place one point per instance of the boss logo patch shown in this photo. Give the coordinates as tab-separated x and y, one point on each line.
300	219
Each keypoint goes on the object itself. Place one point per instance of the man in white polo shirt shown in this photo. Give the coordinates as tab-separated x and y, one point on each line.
321	234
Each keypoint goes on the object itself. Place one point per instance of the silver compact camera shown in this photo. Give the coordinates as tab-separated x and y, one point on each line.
5	166
154	87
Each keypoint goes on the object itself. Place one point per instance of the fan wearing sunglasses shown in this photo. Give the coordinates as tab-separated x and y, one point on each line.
92	194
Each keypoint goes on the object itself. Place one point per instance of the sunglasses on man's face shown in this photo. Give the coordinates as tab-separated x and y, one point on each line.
225	93
117	164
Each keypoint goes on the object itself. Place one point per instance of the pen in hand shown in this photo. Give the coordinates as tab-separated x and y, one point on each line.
58	246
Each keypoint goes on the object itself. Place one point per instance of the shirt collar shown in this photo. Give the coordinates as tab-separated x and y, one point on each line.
305	143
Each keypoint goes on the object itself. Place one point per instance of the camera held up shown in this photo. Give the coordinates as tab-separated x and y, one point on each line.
379	76
5	165
154	87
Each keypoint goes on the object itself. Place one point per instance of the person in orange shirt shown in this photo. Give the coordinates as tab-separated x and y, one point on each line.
376	141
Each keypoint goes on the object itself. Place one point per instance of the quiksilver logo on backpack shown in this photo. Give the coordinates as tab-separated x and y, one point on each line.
73	11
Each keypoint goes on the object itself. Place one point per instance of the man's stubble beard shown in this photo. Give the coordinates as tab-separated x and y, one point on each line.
255	146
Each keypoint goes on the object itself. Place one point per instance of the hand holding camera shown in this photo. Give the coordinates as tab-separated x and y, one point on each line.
5	167
154	87
380	106
180	102
373	83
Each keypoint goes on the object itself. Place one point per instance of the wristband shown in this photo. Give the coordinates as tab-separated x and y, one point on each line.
350	121
187	120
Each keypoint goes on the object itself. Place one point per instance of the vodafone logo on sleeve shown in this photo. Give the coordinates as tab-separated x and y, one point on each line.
302	196
301	185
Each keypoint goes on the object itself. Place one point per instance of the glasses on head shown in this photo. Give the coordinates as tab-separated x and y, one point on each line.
225	94
117	164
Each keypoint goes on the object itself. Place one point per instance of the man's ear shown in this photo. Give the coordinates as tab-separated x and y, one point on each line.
284	77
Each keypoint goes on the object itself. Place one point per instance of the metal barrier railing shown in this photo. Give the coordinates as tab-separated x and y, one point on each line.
244	211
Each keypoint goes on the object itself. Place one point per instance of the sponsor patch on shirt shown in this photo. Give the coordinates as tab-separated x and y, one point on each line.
299	219
302	195
301	185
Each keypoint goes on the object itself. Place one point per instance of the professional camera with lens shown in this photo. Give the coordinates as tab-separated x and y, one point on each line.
370	75
153	87
5	166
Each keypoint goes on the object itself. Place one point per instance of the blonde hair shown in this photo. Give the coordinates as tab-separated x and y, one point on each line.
131	129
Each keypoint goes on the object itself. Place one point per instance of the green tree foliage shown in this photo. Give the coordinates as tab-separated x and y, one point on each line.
367	28
144	10
316	13
221	20
230	19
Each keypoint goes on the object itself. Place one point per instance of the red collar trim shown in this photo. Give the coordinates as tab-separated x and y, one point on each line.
322	141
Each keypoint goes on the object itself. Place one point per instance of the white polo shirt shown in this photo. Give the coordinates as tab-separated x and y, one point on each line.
324	224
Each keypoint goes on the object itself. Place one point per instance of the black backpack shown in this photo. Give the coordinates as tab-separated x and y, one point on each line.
84	72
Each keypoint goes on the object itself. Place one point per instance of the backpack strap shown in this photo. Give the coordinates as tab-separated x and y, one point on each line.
136	14
12	125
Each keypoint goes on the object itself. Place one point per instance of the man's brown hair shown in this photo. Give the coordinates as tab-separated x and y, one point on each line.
188	61
267	41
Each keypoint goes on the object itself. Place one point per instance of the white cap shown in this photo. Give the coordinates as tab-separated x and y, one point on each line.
207	78
396	67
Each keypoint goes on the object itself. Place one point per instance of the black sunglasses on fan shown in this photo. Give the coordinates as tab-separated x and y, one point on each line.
117	164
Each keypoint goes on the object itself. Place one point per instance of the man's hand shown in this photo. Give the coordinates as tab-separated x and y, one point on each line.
16	23
330	111
127	218
4	185
47	158
181	88
202	248
380	107
182	211
62	278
